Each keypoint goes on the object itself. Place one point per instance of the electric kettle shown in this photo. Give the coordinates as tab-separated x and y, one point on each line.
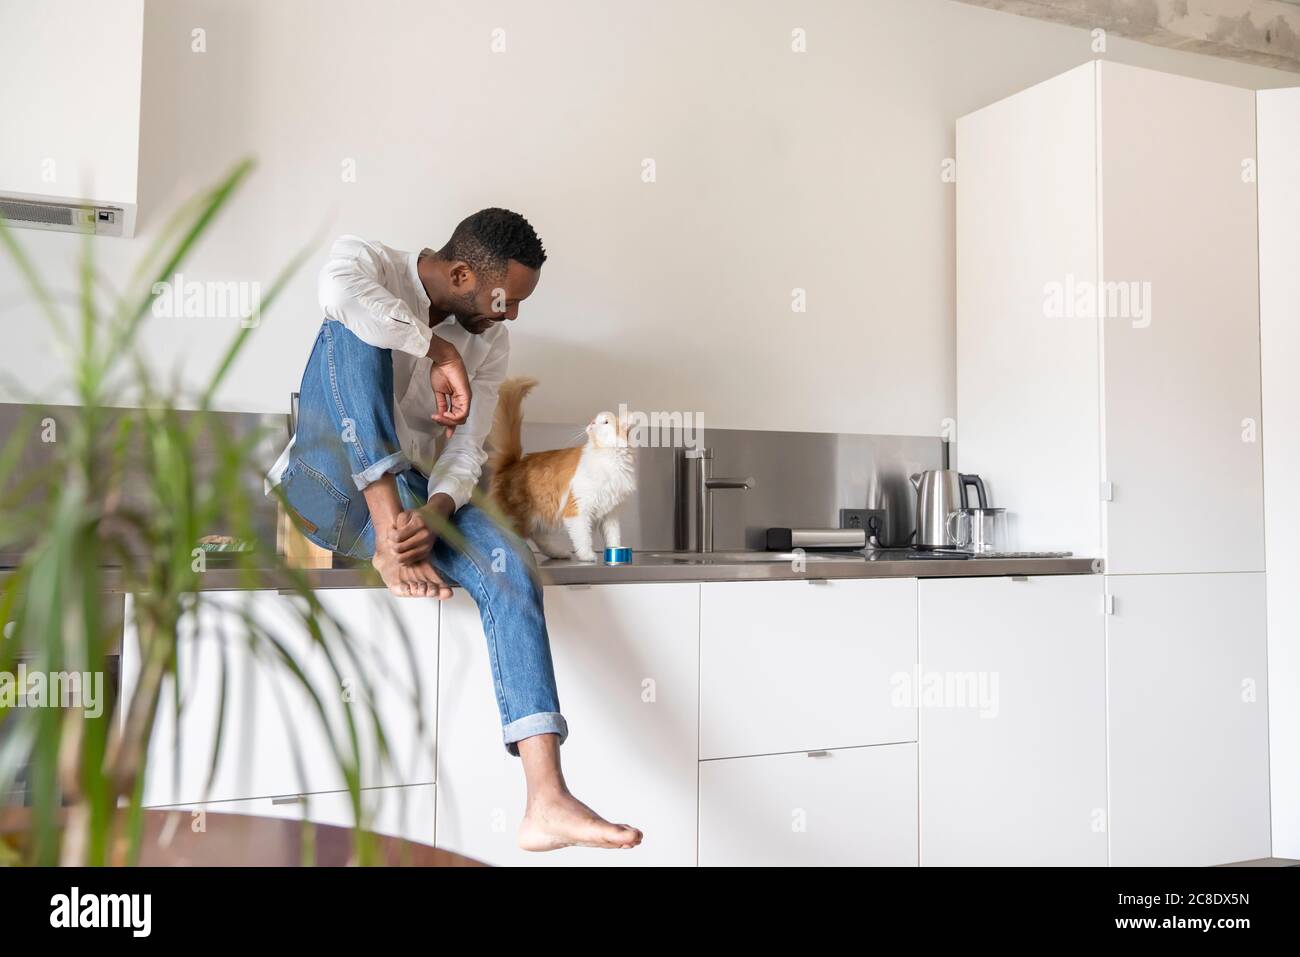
939	493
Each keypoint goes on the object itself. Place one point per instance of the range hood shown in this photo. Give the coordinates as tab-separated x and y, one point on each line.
70	101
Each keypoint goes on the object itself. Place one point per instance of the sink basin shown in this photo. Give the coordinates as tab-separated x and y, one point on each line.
731	558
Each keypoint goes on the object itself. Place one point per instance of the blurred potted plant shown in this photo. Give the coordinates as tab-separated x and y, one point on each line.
80	534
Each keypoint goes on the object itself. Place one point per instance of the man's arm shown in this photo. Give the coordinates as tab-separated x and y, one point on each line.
351	291
457	470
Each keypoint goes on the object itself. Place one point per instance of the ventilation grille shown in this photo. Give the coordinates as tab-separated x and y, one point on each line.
35	213
65	217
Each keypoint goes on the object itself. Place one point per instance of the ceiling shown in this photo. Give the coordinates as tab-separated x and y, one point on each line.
1266	32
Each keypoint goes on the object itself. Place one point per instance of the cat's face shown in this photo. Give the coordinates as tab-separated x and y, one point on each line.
605	431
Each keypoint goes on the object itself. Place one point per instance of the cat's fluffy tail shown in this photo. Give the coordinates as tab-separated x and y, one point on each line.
504	439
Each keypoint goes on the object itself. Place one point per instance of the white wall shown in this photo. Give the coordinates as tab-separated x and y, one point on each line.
1279	292
775	170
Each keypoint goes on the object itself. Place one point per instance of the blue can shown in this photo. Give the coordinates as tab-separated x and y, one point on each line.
618	556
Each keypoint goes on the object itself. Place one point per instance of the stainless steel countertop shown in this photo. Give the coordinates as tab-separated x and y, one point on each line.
690	567
676	567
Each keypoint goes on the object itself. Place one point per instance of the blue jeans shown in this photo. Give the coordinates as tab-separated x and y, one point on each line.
346	440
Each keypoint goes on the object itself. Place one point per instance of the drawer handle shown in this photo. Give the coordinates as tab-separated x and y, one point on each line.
819	754
295	799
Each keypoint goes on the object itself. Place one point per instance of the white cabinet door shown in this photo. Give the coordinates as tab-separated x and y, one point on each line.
626	662
394	667
850	807
1182	386
273	739
800	666
1027	382
1188	723
1012	685
406	812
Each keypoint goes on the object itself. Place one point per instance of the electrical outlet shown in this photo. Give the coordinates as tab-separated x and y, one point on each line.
872	519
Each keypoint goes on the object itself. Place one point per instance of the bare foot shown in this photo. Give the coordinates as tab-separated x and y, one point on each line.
409	581
560	820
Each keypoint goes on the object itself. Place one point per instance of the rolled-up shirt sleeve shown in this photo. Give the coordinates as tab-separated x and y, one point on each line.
351	291
457	470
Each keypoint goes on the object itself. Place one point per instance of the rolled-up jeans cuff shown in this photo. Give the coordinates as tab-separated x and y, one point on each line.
397	462
544	722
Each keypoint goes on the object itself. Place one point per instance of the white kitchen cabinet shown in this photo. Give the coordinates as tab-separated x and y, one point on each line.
1279	307
1187	719
1108	430
799	666
405	812
848	807
273	741
1012	682
396	655
626	662
1027	388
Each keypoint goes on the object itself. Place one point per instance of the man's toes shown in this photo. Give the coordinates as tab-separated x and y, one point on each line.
624	833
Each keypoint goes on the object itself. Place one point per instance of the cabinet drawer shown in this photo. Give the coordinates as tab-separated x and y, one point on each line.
797	666
849	807
405	812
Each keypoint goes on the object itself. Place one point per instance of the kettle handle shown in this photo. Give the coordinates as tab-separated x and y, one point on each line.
968	478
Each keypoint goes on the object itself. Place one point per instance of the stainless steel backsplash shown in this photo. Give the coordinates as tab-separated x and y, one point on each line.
269	432
801	479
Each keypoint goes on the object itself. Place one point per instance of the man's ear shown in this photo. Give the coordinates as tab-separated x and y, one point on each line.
461	276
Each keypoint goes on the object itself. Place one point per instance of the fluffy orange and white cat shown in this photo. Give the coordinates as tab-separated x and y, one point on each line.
559	497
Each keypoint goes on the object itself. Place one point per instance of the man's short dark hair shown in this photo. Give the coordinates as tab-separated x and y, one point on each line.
492	237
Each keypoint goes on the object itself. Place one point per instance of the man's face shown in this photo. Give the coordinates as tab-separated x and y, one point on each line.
485	303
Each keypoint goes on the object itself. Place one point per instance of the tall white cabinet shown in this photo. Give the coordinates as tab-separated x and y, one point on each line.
1279	319
1108	391
1131	436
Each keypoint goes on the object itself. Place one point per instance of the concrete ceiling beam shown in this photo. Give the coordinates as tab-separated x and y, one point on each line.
1265	32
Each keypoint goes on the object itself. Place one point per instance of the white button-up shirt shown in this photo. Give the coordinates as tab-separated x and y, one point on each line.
376	292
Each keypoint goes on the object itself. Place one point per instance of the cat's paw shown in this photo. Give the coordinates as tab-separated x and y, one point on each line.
587	556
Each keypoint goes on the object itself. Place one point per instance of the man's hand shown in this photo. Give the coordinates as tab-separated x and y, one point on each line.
413	534
450	384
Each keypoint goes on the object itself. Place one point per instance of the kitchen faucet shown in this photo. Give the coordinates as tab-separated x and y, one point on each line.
695	486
